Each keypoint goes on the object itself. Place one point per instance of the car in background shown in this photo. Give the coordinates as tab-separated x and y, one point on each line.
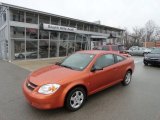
153	57
22	55
141	51
116	48
69	82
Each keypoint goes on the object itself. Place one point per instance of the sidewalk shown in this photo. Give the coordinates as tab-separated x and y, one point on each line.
32	65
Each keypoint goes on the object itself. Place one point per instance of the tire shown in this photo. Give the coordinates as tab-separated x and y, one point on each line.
127	79
145	63
75	99
21	56
145	54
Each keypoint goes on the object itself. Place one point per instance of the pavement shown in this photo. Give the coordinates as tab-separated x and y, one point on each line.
138	101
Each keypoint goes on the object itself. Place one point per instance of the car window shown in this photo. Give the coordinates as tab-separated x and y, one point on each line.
104	61
105	48
115	48
119	58
77	61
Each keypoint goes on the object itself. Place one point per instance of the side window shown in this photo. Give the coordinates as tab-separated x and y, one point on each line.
119	58
104	61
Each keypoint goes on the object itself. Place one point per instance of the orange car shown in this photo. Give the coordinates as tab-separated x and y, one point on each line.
69	82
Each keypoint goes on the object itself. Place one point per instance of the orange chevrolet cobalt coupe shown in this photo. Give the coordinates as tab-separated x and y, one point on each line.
69	82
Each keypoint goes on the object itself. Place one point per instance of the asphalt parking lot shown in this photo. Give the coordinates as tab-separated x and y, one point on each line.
138	101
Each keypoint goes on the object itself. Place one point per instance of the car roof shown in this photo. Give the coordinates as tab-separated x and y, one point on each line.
96	52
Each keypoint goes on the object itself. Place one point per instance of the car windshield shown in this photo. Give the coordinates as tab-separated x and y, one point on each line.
77	61
156	51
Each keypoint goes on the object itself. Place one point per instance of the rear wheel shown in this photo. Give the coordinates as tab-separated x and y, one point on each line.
75	99
127	78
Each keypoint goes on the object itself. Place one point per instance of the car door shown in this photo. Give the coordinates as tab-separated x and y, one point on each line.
121	67
105	75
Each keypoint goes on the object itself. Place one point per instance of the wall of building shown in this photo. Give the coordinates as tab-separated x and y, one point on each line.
26	38
3	33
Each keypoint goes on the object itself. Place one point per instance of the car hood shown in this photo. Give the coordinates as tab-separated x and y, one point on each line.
151	55
52	74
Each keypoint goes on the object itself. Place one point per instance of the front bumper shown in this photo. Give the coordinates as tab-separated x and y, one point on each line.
41	101
152	61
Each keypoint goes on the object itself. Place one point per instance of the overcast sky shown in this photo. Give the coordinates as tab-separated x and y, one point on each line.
116	13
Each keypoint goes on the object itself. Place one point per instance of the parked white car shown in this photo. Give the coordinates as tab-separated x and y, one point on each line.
138	51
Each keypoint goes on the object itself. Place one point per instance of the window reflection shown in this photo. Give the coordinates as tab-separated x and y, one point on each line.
44	19
16	15
53	48
71	47
72	36
64	22
64	36
19	49
63	48
43	34
31	18
17	32
55	21
31	33
31	49
43	48
78	46
54	35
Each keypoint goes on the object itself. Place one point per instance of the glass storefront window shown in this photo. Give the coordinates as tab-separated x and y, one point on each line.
55	20
64	22
31	33
63	48
31	18
31	49
80	26
16	15
19	49
71	47
96	29
43	48
92	28
53	48
54	35
84	45
78	46
64	36
44	19
73	24
43	34
78	38
72	36
17	32
85	27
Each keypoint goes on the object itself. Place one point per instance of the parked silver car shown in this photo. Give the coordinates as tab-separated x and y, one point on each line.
138	51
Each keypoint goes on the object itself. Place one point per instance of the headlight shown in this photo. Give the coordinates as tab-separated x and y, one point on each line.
145	57
48	89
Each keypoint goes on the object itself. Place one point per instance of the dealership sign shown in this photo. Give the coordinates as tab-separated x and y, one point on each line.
58	28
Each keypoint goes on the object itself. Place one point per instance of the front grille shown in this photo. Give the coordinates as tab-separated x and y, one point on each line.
31	86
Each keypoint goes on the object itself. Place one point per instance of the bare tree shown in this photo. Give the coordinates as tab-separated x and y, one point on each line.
150	29
138	35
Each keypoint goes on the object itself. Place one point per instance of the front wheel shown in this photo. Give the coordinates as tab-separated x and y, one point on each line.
127	78
145	63
75	99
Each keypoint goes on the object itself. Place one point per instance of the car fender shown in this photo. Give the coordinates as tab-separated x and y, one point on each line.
70	86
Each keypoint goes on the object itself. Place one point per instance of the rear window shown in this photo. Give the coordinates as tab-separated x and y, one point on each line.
105	48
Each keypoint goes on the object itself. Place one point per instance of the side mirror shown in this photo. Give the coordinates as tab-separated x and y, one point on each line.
96	68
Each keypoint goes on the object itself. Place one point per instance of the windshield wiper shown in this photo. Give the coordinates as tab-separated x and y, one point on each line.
66	66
